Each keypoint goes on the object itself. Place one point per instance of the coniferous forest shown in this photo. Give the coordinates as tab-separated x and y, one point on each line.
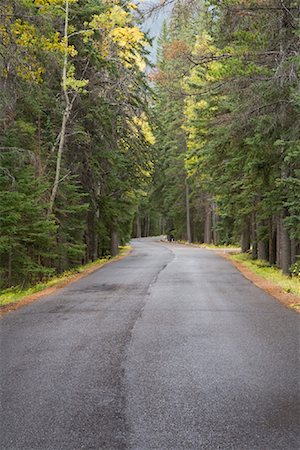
98	144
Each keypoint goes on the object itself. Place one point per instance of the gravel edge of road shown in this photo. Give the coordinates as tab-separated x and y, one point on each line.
26	300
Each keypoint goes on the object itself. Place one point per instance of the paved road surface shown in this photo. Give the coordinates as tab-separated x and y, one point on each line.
170	348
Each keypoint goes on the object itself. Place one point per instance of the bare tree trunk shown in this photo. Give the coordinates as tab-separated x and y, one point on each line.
148	225
272	240
87	245
293	251
187	206
262	240
194	231
207	222
163	225
145	226
285	246
160	224
254	236
262	250
278	242
66	114
96	236
138	227
245	237
58	162
286	258
214	225
114	243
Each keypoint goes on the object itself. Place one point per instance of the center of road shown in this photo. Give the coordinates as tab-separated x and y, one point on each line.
170	348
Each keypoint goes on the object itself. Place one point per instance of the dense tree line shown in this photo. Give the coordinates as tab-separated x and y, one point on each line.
80	169
228	135
74	133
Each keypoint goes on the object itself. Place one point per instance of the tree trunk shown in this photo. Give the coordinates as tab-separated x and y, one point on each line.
293	251
262	250
194	231
58	161
96	236
92	236
285	260
278	242
272	241
66	115
262	241
207	223
148	225
188	218
163	225
285	246
138	227
214	225
253	236
87	245
160	224
245	237
114	243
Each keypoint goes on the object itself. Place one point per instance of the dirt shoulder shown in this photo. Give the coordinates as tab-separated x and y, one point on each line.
60	284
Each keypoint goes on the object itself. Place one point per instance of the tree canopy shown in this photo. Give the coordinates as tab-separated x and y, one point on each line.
96	147
75	141
227	88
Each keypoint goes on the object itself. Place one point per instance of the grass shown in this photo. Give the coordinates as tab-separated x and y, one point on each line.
271	273
16	294
221	246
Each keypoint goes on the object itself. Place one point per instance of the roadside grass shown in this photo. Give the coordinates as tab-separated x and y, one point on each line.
271	273
222	246
16	294
212	246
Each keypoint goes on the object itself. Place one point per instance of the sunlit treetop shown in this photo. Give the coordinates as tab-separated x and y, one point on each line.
118	34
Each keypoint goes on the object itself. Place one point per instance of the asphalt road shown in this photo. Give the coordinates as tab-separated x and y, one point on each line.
170	348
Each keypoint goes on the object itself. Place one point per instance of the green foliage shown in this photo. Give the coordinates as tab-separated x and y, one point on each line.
27	235
106	152
228	109
295	269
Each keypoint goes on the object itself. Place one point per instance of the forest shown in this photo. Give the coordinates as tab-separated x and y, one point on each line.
98	144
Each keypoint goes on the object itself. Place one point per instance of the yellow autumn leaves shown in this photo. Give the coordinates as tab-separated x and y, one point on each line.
112	34
118	35
141	125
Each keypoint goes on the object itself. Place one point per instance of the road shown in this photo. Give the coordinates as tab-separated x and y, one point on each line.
169	348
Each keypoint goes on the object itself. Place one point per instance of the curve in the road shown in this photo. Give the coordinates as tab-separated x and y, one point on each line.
170	348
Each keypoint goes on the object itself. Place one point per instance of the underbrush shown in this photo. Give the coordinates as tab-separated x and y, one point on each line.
16	293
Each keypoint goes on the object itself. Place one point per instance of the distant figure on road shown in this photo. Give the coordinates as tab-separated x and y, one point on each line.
171	238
